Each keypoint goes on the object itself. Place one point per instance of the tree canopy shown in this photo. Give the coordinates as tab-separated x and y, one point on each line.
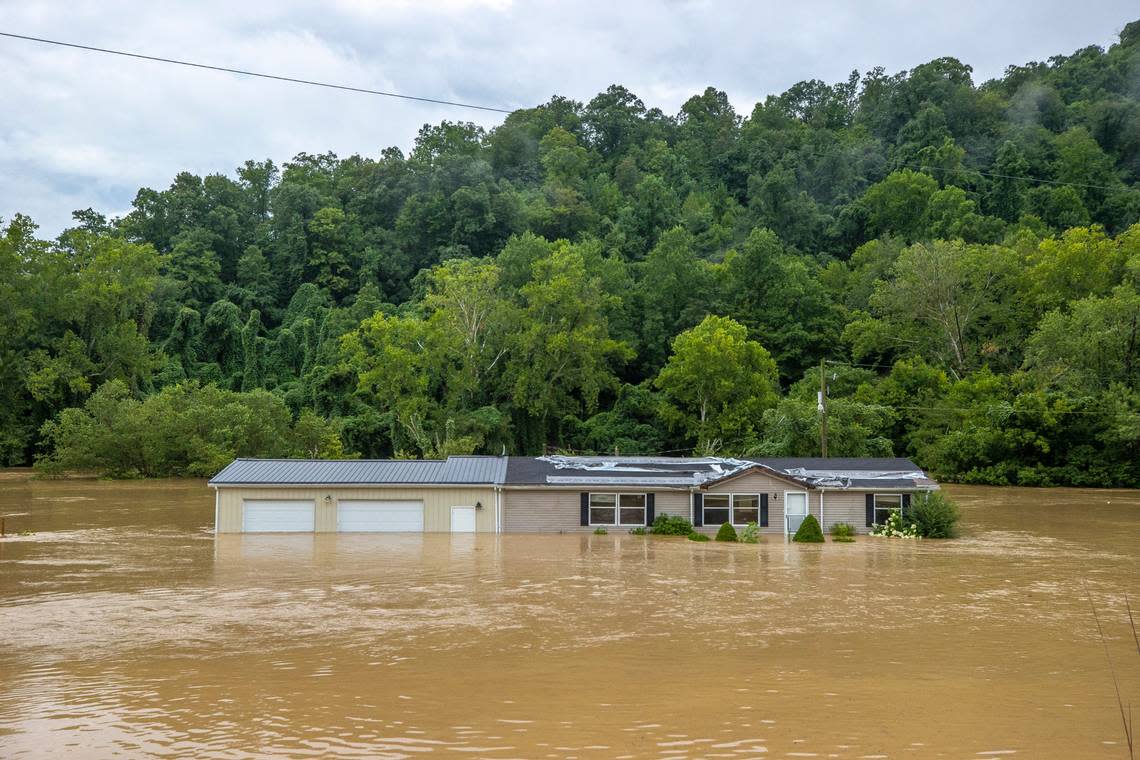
603	276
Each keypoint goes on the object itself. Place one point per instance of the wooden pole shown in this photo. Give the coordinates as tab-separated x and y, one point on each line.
822	409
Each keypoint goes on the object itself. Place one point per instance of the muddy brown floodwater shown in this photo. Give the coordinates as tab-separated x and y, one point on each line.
127	629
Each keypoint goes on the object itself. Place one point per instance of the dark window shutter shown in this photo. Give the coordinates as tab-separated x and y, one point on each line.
905	504
650	512
585	509
763	510
698	510
870	509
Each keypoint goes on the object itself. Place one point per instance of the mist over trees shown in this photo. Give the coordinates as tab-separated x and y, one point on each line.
602	276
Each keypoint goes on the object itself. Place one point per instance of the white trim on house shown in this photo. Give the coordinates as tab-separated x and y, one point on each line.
217	508
498	510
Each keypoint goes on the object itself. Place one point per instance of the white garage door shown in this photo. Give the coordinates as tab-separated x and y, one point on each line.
380	516
277	516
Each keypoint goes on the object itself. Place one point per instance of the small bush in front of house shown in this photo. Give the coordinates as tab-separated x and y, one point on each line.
671	525
809	532
934	515
750	534
639	531
726	533
600	532
895	528
843	533
698	537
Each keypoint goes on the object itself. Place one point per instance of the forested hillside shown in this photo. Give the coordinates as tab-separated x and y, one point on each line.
606	277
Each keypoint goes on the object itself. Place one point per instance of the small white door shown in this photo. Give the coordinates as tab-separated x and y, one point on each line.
260	516
463	519
380	516
795	509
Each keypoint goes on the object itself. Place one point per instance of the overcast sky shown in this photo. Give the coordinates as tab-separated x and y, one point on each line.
84	129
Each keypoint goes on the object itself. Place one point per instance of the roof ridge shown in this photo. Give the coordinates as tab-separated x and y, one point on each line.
309	459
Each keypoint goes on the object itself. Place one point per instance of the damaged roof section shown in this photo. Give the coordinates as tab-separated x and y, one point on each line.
691	472
856	473
679	472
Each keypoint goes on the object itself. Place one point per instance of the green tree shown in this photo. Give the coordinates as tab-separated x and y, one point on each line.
898	205
949	302
563	356
716	385
1091	346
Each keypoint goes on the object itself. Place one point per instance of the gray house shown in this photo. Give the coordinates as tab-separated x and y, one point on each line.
466	494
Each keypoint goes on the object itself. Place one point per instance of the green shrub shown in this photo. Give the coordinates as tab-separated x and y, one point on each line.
726	533
637	531
600	532
698	537
809	532
934	515
182	430
842	533
750	534
671	525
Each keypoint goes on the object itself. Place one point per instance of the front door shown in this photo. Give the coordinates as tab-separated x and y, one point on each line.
463	519
795	510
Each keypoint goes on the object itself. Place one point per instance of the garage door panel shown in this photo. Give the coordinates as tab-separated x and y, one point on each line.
380	516
263	516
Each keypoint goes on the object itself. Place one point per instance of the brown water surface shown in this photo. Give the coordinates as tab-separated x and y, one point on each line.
127	629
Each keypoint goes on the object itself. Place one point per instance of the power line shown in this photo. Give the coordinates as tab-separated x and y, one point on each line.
926	167
243	72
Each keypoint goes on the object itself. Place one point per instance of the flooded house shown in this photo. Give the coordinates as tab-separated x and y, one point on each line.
497	494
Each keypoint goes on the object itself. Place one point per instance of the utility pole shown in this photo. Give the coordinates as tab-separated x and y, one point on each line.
822	407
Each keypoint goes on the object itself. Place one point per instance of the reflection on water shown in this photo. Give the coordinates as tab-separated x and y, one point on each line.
126	627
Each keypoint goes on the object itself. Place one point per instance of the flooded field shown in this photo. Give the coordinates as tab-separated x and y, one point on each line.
127	628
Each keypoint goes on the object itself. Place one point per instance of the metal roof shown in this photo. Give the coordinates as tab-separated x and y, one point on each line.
465	470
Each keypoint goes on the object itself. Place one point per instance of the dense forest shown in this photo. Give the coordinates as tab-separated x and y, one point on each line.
964	260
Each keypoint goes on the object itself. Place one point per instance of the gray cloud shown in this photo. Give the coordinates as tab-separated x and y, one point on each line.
80	129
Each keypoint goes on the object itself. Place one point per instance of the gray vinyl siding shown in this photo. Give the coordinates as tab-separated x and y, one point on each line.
845	506
851	507
541	510
549	510
677	503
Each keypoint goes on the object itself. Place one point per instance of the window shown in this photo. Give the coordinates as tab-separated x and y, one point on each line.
617	509
885	503
632	510
795	503
745	509
718	507
736	508
603	508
